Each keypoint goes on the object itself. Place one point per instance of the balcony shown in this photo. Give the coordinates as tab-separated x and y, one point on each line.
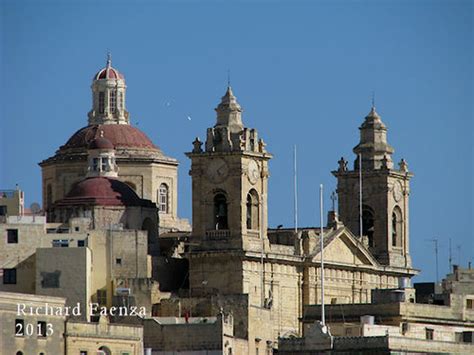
218	234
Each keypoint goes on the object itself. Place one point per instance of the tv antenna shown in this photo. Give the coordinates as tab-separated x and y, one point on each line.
35	209
435	242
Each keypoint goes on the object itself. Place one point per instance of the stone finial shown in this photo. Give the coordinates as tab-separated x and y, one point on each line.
342	164
197	144
242	142
261	146
403	165
109	59
384	162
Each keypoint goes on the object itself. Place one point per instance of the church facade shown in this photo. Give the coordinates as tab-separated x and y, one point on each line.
264	276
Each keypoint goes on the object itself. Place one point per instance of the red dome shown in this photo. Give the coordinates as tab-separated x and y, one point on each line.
103	191
108	73
119	135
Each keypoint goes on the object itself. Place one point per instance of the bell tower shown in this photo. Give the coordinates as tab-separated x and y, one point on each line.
229	183
385	195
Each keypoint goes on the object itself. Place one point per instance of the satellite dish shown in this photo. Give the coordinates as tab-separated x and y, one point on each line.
35	208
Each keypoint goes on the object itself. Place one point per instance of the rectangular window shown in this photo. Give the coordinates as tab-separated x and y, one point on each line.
112	102
81	243
103	164
95	164
12	236
82	352
3	210
469	303
41	329
429	333
60	243
102	297
118	261
9	276
19	327
101	102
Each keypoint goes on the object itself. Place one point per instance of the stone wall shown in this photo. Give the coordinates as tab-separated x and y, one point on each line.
32	343
65	272
90	337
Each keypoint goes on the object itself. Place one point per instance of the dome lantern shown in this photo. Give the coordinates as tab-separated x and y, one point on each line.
108	96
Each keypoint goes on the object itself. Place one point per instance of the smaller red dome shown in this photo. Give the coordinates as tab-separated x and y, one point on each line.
103	191
108	73
100	143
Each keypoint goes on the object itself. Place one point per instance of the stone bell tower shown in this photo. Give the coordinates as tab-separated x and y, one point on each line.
385	195
229	183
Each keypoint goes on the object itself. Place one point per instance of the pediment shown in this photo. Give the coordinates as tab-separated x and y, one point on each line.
342	247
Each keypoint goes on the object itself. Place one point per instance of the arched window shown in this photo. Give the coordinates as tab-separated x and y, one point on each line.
49	195
163	198
397	227
220	212
103	350
252	210
19	353
368	224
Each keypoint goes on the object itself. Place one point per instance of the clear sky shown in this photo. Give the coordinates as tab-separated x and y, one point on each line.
304	72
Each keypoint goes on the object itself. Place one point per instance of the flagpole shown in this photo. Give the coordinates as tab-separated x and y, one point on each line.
321	247
360	196
295	182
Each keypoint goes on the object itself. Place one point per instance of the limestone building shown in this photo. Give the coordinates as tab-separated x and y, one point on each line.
142	165
265	276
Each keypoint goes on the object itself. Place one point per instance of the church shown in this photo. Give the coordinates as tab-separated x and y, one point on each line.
237	265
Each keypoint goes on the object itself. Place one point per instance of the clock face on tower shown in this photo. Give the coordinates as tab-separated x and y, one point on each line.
397	191
253	172
217	170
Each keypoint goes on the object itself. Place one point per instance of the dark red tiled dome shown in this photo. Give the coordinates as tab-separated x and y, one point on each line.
101	143
102	191
119	135
108	73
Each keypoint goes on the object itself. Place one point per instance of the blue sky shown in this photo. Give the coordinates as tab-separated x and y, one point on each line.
303	71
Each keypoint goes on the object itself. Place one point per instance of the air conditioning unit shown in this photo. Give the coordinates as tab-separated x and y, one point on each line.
123	291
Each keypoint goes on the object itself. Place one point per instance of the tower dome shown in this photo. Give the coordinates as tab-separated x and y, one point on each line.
108	72
108	92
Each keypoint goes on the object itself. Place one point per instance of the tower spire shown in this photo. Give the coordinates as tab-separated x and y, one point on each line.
229	112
